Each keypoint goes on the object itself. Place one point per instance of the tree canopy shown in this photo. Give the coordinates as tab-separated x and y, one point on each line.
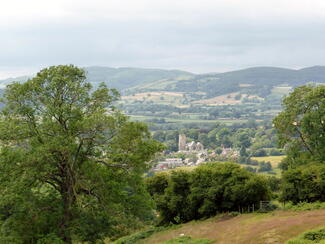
209	189
301	125
71	164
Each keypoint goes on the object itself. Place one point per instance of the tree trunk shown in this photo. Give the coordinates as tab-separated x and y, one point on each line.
68	200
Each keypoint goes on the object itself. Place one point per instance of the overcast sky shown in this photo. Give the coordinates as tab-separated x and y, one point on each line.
194	35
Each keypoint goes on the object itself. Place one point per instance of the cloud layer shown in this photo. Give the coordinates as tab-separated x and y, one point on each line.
198	36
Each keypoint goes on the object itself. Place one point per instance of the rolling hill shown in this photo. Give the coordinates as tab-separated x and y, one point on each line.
119	78
257	81
253	81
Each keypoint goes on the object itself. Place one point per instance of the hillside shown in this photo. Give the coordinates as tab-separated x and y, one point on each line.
120	78
271	228
123	78
180	96
257	80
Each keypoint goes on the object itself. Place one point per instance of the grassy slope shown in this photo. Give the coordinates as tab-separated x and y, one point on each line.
276	227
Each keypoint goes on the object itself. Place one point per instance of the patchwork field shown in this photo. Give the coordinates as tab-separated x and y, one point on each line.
227	99
167	98
271	228
281	90
220	100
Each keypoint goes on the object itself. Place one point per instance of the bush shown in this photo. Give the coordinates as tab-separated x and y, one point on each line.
315	235
265	167
274	183
275	152
134	238
310	237
304	206
250	169
304	184
207	190
259	153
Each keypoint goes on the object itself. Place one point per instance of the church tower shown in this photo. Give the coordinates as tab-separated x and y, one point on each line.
181	142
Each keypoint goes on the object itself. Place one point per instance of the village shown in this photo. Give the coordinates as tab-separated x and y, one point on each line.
192	154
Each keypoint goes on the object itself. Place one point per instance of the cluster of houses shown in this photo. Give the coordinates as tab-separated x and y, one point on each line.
191	149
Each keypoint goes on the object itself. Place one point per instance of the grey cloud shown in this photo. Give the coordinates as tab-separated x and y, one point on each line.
214	44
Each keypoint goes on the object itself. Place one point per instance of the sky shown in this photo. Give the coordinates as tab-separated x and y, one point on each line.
193	35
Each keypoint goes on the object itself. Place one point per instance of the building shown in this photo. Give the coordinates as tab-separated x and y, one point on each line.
189	147
181	142
169	163
229	152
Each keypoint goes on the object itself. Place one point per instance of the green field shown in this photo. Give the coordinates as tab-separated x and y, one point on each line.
274	160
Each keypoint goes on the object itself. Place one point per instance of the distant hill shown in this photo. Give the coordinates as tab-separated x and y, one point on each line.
257	80
119	78
5	82
123	78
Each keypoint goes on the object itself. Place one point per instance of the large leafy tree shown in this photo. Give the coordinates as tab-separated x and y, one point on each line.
71	164
301	125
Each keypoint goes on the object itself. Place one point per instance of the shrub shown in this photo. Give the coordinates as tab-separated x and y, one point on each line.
310	237
304	184
134	238
265	167
207	190
303	206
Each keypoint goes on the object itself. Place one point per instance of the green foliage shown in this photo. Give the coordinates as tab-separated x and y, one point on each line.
274	183
259	153
187	240
205	191
301	125
299	241
310	237
304	184
315	235
304	206
134	238
265	167
71	163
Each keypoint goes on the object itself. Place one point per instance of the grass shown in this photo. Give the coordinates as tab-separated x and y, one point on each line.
253	228
187	240
274	160
141	235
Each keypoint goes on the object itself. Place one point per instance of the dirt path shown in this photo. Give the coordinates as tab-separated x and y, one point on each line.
271	228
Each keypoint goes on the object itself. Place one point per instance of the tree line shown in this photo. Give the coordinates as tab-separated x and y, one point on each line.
207	190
